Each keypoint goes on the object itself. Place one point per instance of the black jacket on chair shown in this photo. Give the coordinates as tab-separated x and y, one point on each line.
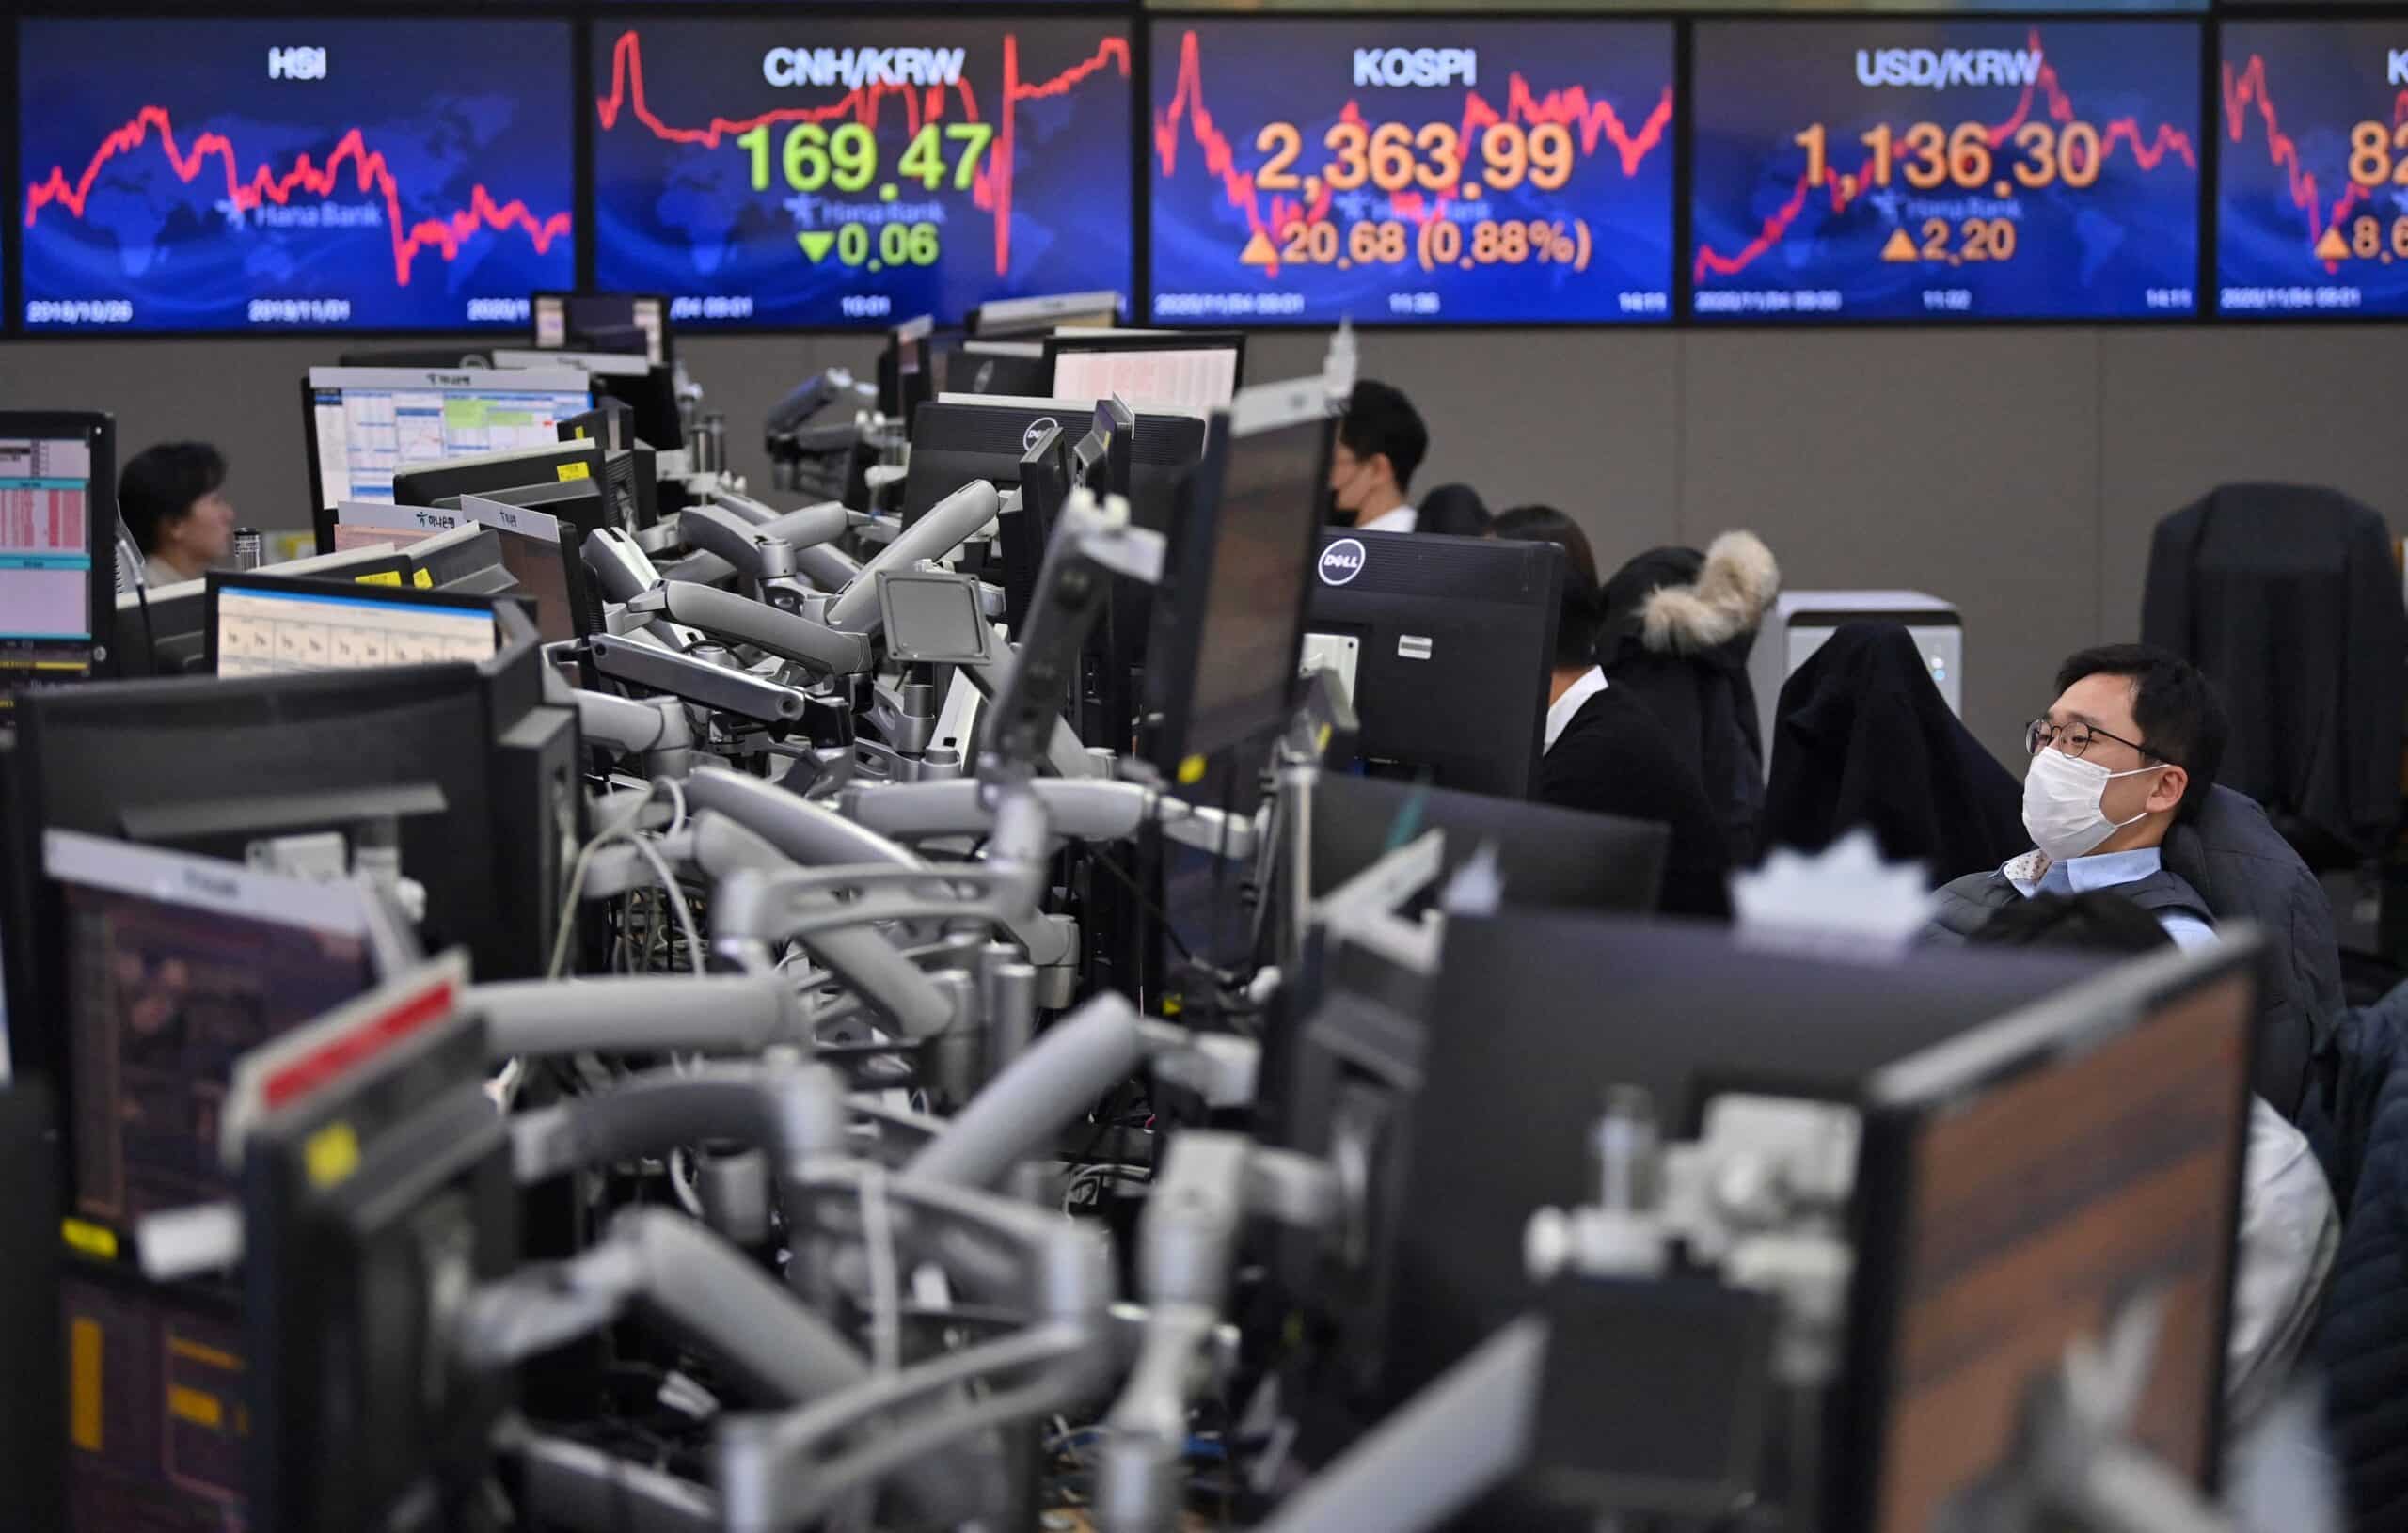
1614	758
1679	625
2286	596
1863	736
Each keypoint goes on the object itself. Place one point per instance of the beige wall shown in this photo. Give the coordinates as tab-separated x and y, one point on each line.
2016	472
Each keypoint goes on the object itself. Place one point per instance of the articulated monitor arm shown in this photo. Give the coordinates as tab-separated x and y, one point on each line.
959	516
729	616
1081	809
794	1111
571	1485
657	731
714	687
641	1014
779	1472
1188	1242
736	541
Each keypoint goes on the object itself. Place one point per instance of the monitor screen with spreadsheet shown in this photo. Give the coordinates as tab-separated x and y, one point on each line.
1155	370
365	422
267	625
57	546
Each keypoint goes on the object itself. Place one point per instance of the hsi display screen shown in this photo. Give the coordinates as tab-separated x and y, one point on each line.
292	174
2312	173
1948	169
1507	172
812	173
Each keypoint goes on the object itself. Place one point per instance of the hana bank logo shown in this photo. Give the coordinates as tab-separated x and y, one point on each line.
1341	561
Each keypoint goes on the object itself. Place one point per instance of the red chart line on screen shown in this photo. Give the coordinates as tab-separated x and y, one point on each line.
1572	107
2147	153
446	234
2249	86
992	192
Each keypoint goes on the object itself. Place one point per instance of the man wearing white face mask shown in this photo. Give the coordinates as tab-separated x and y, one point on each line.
2131	746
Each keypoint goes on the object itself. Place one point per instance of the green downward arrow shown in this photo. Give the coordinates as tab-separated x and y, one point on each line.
817	246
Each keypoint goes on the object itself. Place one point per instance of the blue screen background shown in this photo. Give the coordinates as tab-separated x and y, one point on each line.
1247	73
2319	79
450	106
2093	253
683	218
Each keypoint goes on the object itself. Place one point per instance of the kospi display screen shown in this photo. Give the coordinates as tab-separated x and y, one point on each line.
1499	172
808	171
2312	176
292	174
1945	170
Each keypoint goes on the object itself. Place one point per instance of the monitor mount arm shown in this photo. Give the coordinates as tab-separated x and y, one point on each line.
1061	1076
655	732
1188	1244
818	647
778	1471
718	688
958	516
1081	809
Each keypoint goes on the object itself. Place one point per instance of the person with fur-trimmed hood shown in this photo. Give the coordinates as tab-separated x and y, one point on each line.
1679	625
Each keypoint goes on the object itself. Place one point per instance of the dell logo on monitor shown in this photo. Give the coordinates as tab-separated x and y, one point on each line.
1341	561
296	63
1037	429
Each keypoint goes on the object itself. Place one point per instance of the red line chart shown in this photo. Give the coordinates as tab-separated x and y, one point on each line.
2249	87
991	191
1596	122
2147	152
445	234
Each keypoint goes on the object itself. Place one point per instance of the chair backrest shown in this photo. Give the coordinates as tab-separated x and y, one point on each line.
2232	854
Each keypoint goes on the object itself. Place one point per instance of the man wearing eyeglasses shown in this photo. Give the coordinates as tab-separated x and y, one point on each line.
2130	747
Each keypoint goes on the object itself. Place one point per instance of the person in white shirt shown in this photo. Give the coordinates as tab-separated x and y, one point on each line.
1381	442
173	499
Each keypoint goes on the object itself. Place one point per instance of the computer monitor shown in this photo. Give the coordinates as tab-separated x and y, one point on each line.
33	1368
1547	858
1195	371
176	966
956	439
1533	1015
448	358
465	560
547	462
603	321
542	566
905	373
265	624
475	769
364	423
594	364
57	546
995	368
364	1417
1039	315
1022	533
571	512
1228	614
2019	1188
354	525
1454	640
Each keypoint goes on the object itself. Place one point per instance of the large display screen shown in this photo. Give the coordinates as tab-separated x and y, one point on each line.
831	172
292	174
1945	170
2312	174
1502	172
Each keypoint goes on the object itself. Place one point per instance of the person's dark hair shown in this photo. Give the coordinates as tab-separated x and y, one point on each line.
2099	919
1379	419
1583	612
1453	509
2181	718
159	485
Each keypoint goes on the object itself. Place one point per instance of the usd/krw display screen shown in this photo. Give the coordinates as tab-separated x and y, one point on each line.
1503	172
1945	170
292	174
2312	176
809	171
